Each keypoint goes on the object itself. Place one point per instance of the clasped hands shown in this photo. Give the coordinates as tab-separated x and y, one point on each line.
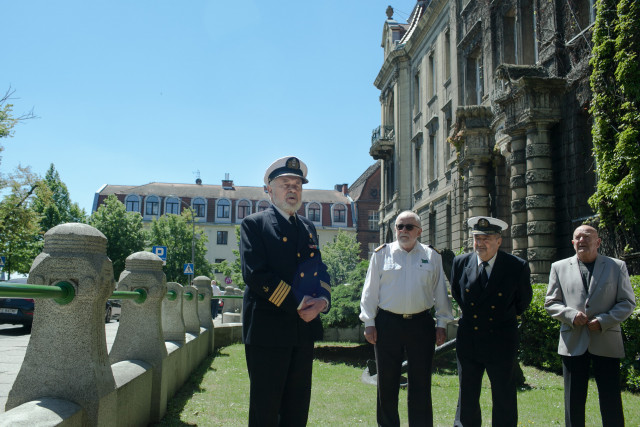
310	308
581	319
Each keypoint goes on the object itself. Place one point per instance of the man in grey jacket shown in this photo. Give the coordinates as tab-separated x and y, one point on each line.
590	294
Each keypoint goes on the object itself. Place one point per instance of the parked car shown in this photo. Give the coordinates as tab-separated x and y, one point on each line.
113	310
16	311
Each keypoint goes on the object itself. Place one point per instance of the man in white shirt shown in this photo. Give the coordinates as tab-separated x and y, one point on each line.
215	291
405	280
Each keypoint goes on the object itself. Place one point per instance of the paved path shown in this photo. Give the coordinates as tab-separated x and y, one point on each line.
13	346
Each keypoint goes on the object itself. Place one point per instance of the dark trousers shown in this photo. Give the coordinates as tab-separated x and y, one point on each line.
504	412
280	388
214	308
396	336
576	380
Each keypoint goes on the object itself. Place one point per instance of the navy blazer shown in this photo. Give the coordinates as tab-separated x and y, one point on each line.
280	264
488	328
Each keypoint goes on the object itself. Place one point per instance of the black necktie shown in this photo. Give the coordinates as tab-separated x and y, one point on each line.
484	277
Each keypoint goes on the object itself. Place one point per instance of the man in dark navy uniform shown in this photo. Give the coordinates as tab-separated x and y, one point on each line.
492	288
287	286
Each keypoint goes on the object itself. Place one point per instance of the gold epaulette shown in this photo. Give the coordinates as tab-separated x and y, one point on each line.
439	252
380	247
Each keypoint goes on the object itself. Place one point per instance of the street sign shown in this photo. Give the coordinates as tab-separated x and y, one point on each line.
188	268
227	280
161	251
2	261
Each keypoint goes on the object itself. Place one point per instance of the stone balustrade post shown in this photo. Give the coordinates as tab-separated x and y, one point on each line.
518	196
140	335
190	311
203	284
67	353
172	318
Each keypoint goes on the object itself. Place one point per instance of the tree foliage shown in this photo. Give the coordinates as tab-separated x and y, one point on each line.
124	231
341	256
53	203
20	233
177	232
232	270
8	120
345	300
615	82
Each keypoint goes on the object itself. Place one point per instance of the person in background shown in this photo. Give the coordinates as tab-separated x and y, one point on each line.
215	291
492	288
404	281
590	294
287	287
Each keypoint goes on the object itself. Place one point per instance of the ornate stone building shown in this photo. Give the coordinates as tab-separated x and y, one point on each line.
484	112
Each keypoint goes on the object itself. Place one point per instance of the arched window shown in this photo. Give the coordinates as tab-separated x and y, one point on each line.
132	203
244	209
199	207
223	209
339	213
313	212
172	206
151	205
263	205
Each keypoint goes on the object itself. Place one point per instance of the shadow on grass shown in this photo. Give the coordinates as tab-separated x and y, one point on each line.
177	403
351	355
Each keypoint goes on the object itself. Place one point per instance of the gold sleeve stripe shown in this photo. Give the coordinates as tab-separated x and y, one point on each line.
280	293
326	286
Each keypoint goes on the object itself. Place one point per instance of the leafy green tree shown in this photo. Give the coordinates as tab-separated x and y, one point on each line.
176	232
19	223
345	299
233	270
341	256
615	82
124	231
7	119
53	203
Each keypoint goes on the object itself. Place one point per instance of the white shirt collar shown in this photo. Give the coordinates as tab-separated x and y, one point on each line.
491	261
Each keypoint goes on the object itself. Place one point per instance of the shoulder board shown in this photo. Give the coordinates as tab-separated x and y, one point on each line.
380	247
435	249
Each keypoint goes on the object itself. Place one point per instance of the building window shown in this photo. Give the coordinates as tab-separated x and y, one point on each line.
372	247
447	55
224	208
416	93
244	209
433	158
432	76
417	165
151	205
473	78
222	237
200	208
374	218
313	212
339	213
218	261
172	206
132	204
263	205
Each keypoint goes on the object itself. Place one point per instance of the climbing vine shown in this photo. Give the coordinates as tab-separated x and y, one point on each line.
615	83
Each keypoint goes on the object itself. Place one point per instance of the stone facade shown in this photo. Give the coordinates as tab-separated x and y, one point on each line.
484	112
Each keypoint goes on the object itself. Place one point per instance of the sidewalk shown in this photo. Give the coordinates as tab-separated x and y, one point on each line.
13	346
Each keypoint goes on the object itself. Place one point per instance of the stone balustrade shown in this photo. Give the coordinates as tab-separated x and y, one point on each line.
68	377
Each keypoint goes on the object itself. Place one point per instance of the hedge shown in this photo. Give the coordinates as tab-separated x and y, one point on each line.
539	336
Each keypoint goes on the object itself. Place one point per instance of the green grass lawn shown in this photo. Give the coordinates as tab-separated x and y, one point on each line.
218	393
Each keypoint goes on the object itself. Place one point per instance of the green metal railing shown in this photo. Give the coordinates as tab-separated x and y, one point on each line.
64	292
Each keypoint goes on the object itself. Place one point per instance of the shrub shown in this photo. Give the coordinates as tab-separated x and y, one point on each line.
345	300
539	338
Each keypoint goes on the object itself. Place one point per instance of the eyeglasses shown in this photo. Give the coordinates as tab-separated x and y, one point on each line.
409	227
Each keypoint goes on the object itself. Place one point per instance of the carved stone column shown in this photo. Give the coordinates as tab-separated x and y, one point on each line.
518	196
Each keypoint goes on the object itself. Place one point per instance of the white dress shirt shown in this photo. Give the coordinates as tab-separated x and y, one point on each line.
405	283
488	268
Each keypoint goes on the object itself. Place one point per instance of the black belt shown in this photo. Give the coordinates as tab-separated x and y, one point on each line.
404	316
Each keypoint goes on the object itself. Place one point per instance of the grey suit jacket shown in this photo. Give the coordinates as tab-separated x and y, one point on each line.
610	299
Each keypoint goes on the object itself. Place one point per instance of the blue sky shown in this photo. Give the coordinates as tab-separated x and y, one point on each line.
131	92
